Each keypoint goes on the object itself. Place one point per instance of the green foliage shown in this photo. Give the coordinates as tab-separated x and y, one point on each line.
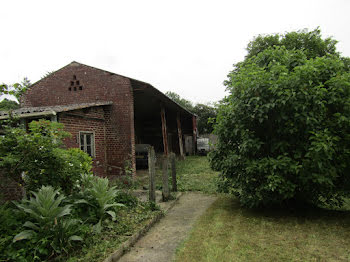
206	112
16	89
284	131
99	199
6	105
310	43
11	220
47	229
38	158
181	101
206	117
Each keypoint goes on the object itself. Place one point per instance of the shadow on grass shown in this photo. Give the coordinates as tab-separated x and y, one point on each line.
300	213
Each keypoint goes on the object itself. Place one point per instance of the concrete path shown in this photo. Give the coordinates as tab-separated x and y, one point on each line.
160	243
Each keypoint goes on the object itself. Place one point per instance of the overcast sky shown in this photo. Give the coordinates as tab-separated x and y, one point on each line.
187	47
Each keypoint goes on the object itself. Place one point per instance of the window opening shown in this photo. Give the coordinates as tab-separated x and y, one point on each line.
87	143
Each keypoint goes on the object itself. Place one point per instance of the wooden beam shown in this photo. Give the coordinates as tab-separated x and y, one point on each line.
164	131
152	174
179	133
194	126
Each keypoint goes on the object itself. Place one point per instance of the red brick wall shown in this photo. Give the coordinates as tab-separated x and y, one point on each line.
90	120
97	85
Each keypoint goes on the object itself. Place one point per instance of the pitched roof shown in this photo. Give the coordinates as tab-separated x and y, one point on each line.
137	83
48	110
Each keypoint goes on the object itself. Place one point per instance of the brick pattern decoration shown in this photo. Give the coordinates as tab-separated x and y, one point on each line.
63	88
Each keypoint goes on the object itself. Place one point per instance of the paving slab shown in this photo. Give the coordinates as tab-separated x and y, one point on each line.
160	243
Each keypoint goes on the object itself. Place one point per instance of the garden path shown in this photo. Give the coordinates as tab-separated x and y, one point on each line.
160	243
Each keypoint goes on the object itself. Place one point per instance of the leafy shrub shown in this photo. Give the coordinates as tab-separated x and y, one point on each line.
11	220
99	199
46	228
40	157
284	131
126	198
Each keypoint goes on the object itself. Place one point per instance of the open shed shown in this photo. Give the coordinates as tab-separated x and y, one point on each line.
108	115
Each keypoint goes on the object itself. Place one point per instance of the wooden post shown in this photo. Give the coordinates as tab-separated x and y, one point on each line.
164	131
173	172
152	173
179	133
165	190
194	126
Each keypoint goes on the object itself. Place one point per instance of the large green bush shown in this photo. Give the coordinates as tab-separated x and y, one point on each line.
284	130
37	157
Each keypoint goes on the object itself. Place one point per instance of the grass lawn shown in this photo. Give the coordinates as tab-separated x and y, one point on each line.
227	232
193	174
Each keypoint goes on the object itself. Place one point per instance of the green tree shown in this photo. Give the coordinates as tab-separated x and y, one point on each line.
284	130
7	104
16	89
206	112
181	101
206	115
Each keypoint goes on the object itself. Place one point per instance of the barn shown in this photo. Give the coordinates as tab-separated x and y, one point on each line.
109	115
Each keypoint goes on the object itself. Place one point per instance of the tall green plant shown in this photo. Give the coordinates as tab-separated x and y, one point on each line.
101	198
47	226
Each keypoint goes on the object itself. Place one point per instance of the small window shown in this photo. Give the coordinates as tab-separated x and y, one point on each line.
87	143
80	88
78	83
74	77
72	83
75	88
70	89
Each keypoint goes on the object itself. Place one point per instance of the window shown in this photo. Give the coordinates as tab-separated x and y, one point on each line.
87	143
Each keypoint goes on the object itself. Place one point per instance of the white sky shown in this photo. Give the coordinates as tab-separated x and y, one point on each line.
187	47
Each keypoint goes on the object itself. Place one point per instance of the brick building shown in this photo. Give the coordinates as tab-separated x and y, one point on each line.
108	114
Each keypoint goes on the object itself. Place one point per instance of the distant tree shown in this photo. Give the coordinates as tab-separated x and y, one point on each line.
7	104
181	101
206	116
206	112
284	130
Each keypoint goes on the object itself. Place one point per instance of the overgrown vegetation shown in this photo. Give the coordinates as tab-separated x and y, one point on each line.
228	232
284	131
36	158
69	214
